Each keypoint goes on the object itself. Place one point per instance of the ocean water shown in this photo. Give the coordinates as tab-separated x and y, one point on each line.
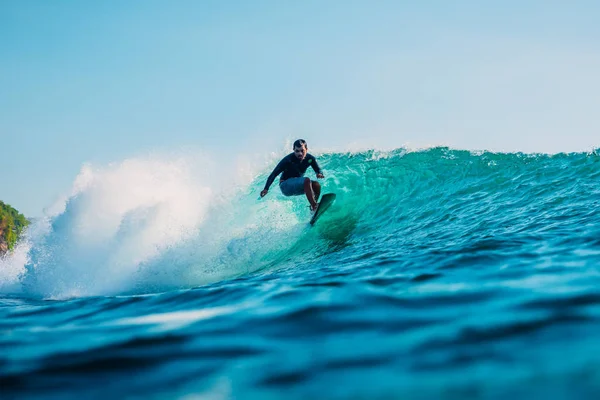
441	274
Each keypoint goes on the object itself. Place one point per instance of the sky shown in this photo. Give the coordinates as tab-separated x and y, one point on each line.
103	81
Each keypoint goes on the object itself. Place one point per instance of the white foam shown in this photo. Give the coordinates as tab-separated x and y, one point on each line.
115	218
12	267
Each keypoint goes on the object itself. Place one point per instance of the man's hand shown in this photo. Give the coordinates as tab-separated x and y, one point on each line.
263	193
321	176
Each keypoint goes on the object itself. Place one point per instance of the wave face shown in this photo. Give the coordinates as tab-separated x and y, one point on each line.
440	273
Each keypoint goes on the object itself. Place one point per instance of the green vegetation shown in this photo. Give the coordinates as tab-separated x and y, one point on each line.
12	224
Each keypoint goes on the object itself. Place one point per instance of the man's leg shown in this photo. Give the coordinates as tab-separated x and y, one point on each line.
316	187
310	195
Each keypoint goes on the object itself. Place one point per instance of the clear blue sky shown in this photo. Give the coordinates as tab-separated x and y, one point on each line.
101	81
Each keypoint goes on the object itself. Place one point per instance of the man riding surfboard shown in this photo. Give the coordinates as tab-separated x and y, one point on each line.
292	181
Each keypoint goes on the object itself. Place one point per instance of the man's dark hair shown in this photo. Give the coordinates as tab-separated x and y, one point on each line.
299	143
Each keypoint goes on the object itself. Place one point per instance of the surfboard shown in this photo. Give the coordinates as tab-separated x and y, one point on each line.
326	201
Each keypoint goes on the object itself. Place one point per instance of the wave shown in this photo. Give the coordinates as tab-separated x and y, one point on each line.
150	224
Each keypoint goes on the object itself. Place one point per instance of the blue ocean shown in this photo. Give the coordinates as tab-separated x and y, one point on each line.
435	274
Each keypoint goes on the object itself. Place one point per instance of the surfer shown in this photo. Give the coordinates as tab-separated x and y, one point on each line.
292	181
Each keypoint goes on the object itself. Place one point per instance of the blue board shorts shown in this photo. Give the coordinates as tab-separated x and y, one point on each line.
292	186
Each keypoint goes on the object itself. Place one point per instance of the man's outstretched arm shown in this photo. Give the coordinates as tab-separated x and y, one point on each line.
278	169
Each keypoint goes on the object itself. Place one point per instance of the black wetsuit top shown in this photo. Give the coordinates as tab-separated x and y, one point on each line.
292	167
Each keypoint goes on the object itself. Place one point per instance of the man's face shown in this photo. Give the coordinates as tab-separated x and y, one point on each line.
300	152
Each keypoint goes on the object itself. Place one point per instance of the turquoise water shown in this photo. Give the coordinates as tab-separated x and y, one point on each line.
435	274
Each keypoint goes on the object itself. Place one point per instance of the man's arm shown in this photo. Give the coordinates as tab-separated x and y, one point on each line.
278	169
315	166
